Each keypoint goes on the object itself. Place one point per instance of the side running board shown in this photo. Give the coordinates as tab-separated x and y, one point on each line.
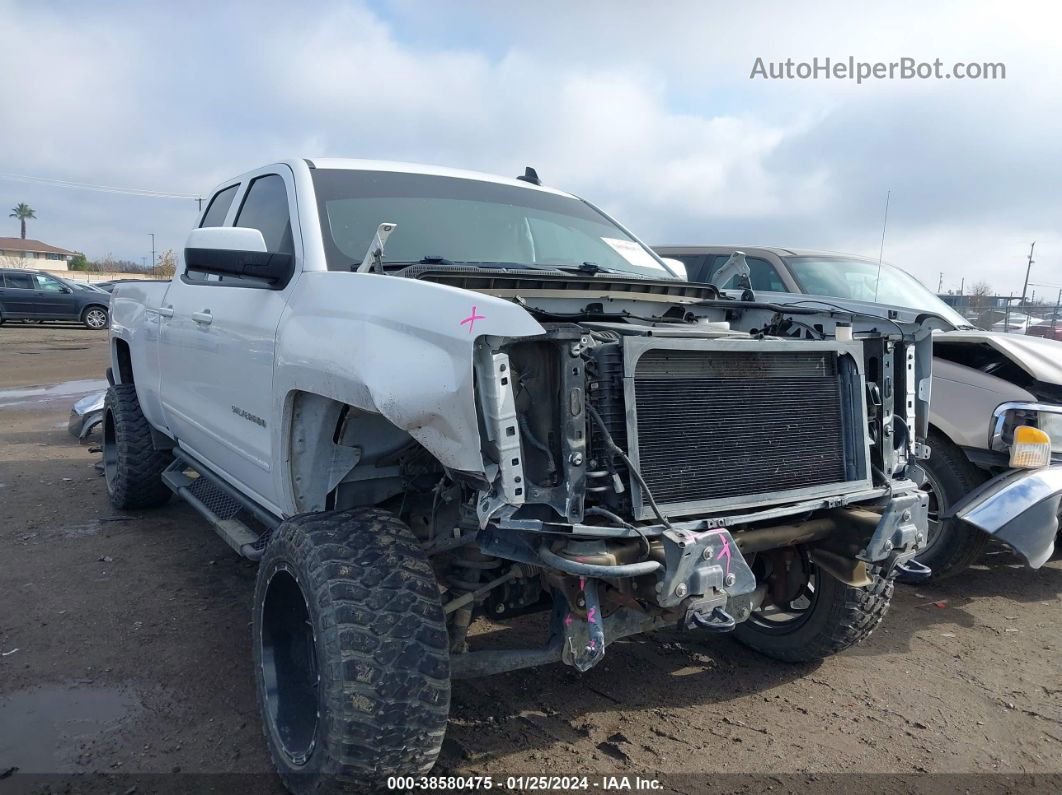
242	525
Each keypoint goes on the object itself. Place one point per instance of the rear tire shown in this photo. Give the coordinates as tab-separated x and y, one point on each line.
952	545
96	318
132	466
837	616
351	652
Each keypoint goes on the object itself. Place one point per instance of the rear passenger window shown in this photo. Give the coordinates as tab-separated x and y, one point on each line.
19	281
219	207
265	208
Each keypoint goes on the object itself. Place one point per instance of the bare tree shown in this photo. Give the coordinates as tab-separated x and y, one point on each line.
166	265
979	292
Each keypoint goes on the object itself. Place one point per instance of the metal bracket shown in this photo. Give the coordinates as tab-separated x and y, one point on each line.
901	531
494	378
734	266
700	564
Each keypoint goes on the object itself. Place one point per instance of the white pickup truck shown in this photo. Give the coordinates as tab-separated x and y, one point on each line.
419	396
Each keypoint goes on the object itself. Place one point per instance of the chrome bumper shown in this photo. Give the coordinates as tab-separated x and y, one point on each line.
86	414
1020	508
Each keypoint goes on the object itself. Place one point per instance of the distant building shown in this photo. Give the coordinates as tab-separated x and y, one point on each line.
18	253
964	303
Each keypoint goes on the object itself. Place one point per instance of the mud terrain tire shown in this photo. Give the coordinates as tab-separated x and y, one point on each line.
351	652
840	616
131	464
953	545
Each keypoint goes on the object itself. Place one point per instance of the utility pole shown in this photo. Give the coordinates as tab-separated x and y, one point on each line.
940	283
962	286
152	252
199	202
1028	268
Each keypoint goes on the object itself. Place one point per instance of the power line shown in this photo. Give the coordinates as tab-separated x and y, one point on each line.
62	183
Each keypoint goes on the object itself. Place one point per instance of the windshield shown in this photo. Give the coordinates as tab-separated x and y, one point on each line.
857	279
469	221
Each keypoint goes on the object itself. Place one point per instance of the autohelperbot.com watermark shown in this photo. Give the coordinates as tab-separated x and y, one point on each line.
864	71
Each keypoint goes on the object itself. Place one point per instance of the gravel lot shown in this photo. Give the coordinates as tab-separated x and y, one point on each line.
127	650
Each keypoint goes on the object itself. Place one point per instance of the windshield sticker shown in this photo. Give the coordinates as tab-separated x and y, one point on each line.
633	253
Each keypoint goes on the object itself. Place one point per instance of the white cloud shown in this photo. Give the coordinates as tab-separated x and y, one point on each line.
646	110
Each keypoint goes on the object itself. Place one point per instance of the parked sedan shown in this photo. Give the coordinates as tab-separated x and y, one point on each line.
32	295
1051	331
986	385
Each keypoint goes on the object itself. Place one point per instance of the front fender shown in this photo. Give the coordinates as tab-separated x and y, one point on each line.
395	346
1020	508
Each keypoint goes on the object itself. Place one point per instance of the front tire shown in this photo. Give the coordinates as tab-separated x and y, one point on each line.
827	617
132	466
951	545
96	318
351	652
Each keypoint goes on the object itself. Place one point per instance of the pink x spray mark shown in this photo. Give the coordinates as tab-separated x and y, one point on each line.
724	552
471	319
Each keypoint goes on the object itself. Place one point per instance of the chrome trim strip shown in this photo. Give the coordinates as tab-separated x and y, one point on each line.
999	417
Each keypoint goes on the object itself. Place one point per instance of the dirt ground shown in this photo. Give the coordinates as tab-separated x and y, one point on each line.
126	650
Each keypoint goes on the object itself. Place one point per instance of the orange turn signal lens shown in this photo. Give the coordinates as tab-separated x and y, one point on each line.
1031	448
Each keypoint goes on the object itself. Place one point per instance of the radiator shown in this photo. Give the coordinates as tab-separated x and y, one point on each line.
714	429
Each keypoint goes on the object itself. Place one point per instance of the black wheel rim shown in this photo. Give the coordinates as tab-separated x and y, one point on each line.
289	667
937	506
783	619
110	451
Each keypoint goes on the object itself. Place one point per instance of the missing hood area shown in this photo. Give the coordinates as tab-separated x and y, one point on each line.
1027	362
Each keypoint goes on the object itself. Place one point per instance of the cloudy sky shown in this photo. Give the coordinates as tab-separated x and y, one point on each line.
647	109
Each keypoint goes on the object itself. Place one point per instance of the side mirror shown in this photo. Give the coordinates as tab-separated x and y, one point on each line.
236	251
678	266
66	290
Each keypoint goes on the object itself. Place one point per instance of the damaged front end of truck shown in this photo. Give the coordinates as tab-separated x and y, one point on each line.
663	457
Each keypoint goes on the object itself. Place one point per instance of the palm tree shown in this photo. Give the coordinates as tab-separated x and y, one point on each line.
22	212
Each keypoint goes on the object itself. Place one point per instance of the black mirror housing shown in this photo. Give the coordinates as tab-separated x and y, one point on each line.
270	266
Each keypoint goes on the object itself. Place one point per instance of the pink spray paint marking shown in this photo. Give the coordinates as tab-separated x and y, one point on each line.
591	615
582	583
471	319
568	620
724	552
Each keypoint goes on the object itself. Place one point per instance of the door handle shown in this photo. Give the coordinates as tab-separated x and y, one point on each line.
203	317
166	311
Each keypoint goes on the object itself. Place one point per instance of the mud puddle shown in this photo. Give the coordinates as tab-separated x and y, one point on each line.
44	396
48	729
